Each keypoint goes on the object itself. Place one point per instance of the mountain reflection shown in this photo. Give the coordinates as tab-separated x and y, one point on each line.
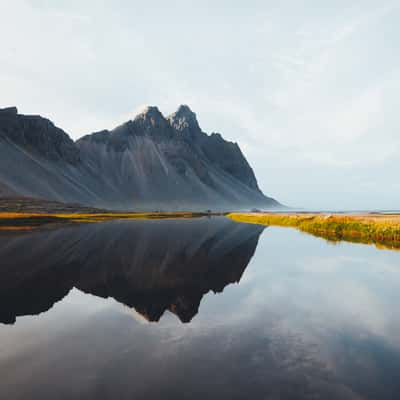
152	266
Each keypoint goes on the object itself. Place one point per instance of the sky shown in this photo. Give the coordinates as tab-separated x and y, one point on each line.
308	89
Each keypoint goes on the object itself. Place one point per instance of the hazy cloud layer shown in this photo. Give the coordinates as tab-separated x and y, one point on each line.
309	89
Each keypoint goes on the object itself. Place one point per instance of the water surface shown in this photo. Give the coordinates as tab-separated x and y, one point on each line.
195	309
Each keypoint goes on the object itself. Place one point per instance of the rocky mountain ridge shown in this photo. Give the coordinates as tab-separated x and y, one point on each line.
150	162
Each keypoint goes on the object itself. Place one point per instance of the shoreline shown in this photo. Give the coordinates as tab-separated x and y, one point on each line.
24	221
28	213
381	230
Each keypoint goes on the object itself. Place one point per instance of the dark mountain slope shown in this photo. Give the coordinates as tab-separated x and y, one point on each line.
226	155
150	163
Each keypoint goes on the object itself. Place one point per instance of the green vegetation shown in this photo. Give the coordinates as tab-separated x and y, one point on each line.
378	229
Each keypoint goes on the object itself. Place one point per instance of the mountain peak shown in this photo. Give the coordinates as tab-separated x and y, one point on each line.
151	122
184	109
150	112
184	120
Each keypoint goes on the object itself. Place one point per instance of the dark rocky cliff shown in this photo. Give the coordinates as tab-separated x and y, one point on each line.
224	154
38	135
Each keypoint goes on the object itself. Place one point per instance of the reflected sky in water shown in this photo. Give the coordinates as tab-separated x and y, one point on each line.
293	317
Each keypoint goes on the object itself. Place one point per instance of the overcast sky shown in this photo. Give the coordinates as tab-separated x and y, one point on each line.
309	89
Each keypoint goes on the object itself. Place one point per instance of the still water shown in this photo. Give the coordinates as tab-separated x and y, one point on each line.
195	309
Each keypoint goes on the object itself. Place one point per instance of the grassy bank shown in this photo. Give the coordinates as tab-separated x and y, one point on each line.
379	229
27	213
15	220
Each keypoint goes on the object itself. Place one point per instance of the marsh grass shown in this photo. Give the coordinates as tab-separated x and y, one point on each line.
378	229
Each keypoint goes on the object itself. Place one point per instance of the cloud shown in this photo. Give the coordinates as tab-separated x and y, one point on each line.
307	90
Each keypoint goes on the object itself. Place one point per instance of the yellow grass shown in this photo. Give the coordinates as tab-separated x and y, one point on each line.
110	215
379	229
14	221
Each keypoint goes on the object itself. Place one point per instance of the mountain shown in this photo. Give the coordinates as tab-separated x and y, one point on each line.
152	266
148	163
